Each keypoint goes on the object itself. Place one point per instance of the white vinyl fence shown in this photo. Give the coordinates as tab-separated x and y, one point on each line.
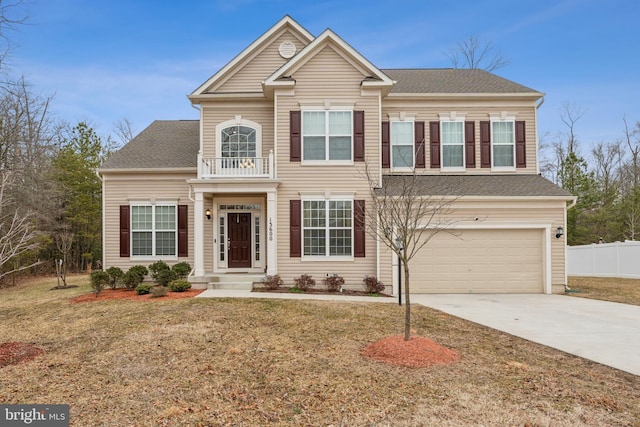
619	259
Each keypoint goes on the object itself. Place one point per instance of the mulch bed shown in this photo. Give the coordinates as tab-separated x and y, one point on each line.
12	353
125	294
418	352
346	292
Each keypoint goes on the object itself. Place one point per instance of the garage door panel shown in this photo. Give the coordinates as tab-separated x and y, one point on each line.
480	261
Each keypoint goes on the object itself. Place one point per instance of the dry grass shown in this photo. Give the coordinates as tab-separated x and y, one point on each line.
210	362
613	289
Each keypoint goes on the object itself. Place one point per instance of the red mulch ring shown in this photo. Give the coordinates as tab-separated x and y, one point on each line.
118	294
418	352
12	353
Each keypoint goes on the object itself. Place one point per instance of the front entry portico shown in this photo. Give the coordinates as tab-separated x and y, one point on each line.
235	227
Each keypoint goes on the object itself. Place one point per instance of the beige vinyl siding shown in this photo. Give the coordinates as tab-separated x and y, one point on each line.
257	67
256	111
298	180
475	111
121	189
502	215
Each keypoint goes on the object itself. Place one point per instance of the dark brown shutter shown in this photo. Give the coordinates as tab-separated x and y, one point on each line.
183	230
434	144
125	235
521	146
358	136
470	144
485	144
419	144
359	236
295	229
295	125
386	154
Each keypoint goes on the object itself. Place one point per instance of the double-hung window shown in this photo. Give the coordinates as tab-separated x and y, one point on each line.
452	136
153	230
503	143
327	228
327	135
402	140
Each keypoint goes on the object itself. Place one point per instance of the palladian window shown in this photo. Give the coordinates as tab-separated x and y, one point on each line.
238	144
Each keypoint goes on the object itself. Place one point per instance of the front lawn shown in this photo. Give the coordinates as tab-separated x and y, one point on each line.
258	362
626	291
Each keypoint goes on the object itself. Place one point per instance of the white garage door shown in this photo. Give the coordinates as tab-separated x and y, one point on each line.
480	261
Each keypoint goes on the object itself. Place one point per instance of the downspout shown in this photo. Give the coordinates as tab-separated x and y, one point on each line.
200	138
379	181
104	256
571	205
537	141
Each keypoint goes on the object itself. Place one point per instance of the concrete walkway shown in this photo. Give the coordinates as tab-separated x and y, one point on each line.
605	332
225	293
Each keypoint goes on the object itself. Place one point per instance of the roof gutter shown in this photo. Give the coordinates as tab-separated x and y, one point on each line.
540	103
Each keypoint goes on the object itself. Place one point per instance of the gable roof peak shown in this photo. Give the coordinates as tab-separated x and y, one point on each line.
286	21
329	36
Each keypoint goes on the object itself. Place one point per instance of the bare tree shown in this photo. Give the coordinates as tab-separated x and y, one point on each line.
406	216
473	53
18	235
64	241
124	131
12	15
570	113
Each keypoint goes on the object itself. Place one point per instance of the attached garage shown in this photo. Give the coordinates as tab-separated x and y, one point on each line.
481	261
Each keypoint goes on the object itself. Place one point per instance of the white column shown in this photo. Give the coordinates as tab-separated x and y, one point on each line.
198	235
272	233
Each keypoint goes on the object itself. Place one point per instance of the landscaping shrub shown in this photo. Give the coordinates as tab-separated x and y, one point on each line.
179	285
158	291
134	276
140	271
304	282
373	285
130	280
115	276
333	283
272	282
164	277
143	288
99	279
181	270
156	268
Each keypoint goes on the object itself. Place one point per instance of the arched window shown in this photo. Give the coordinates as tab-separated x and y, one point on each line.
239	142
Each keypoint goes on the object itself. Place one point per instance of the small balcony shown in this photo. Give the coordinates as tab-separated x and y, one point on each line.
236	167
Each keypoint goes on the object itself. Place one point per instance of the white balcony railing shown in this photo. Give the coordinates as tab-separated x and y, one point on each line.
236	167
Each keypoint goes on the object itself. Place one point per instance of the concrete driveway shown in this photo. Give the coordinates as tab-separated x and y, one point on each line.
605	332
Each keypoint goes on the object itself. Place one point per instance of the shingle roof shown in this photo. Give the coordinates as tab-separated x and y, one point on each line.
452	81
519	185
163	144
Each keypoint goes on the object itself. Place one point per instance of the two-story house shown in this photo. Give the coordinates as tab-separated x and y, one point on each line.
269	179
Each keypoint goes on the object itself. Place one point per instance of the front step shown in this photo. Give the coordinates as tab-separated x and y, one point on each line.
242	282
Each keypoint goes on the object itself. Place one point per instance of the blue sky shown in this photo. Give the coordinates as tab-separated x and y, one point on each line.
106	60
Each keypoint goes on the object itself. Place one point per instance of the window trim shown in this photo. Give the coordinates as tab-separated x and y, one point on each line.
410	121
462	167
327	228
495	168
327	161
154	230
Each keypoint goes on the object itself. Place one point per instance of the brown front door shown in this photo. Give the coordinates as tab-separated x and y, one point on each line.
239	240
